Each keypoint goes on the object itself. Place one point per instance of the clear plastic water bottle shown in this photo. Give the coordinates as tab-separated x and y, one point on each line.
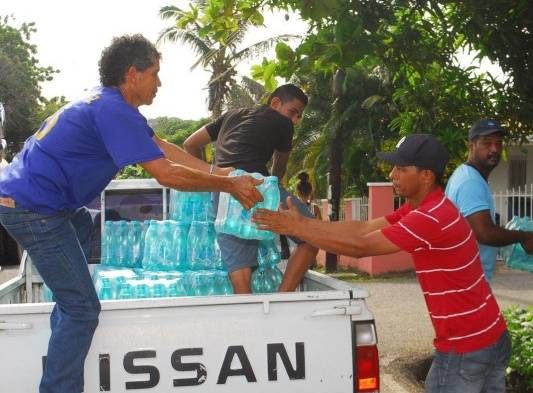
125	291
151	244
176	288
166	255
278	276
105	291
269	281
141	289
268	253
181	236
159	289
135	240
258	280
107	253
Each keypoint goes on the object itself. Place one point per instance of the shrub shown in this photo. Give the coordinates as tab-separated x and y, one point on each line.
520	370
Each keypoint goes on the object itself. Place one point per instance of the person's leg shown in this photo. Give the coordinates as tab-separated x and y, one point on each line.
495	380
52	243
297	266
241	280
481	371
445	376
239	256
304	255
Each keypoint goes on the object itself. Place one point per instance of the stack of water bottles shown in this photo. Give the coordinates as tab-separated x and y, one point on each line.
233	219
514	255
180	256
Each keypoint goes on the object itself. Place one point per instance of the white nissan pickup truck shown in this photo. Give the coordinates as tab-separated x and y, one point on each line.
320	339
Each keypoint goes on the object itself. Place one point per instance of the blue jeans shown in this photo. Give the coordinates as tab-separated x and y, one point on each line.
59	247
481	371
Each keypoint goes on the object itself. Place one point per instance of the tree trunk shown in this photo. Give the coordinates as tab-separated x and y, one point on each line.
335	160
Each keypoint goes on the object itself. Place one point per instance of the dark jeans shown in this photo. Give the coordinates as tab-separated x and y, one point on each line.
481	371
59	248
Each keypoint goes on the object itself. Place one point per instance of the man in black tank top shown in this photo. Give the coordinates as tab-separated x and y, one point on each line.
248	139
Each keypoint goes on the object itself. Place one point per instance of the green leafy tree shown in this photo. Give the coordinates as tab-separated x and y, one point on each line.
215	30
172	129
20	75
414	46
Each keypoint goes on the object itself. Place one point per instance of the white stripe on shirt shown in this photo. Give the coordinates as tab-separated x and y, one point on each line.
462	313
426	215
413	234
449	270
452	223
452	247
477	333
438	205
456	290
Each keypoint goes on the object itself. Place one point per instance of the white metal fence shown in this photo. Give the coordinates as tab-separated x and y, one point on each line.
514	202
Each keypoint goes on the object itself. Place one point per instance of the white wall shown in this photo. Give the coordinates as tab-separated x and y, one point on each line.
499	178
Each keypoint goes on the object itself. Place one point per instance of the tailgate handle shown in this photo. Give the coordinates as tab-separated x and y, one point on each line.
338	310
15	326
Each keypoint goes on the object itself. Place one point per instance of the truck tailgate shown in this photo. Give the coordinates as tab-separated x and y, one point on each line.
297	342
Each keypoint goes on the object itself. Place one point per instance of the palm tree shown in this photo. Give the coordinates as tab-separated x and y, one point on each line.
218	55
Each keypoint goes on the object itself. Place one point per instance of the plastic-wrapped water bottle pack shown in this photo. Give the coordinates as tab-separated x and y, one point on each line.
123	283
514	255
187	207
233	219
123	243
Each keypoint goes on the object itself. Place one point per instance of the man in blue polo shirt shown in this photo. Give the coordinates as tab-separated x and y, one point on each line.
469	189
65	165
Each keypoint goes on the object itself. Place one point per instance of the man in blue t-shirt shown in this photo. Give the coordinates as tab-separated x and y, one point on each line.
468	188
65	165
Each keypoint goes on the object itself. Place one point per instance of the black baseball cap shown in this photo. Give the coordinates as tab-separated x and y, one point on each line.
421	150
485	127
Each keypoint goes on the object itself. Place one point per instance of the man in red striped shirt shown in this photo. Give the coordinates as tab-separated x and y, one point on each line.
472	343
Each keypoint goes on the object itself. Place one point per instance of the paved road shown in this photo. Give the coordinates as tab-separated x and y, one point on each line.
405	333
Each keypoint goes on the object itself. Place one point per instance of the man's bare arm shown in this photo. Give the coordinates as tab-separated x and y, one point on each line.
353	238
492	235
170	174
196	142
279	164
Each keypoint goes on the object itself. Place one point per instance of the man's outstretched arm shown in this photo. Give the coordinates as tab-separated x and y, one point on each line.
352	238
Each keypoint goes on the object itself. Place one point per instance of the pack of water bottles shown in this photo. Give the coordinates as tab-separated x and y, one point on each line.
233	219
165	245
514	255
123	283
123	243
187	207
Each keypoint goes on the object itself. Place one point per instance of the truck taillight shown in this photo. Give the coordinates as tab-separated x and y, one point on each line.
367	369
366	365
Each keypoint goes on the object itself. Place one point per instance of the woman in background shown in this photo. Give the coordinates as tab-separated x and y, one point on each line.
304	191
